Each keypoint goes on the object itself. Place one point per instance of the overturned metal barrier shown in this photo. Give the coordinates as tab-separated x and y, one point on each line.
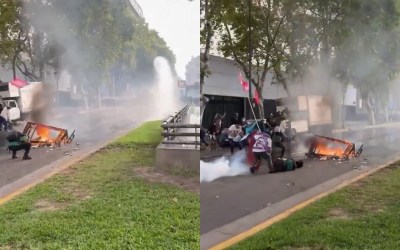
331	148
41	135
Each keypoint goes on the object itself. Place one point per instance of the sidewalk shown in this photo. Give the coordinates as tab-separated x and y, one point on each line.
355	126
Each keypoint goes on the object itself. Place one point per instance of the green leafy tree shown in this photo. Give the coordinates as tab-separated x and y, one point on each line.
269	36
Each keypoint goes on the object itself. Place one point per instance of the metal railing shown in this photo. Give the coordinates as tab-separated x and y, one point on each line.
173	126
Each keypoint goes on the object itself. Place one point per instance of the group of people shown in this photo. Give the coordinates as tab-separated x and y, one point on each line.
261	145
261	137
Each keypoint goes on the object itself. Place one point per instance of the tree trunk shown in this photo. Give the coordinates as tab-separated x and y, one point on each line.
261	109
205	58
84	96
14	70
371	116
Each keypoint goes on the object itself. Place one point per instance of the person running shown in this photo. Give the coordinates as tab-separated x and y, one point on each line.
18	141
262	150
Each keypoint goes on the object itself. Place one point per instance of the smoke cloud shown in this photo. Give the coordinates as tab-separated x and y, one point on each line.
222	167
149	94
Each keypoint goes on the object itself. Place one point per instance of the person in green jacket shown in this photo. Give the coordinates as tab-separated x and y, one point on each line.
18	141
283	165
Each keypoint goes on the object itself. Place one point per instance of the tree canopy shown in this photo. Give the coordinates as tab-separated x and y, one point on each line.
91	39
355	41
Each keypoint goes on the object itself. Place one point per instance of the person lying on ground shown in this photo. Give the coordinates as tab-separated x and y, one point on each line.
235	136
283	165
262	150
18	141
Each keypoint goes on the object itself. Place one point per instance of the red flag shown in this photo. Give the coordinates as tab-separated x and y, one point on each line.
256	97
18	83
245	85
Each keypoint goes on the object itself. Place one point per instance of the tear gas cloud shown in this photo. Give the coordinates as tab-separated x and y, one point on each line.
150	94
222	167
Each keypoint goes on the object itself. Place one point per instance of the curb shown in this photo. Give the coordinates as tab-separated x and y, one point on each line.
246	233
12	190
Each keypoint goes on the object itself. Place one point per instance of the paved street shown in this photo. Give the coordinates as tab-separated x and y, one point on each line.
92	129
228	199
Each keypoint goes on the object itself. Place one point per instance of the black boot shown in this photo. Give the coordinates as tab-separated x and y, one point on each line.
14	155
26	157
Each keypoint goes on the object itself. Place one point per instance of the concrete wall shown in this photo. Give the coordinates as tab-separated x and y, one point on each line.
170	157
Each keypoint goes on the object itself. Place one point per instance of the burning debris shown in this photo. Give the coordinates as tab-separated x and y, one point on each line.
41	135
326	148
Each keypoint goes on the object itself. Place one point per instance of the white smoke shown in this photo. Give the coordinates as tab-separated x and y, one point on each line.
223	167
167	97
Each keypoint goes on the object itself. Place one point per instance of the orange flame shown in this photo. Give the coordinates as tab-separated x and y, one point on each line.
43	132
331	148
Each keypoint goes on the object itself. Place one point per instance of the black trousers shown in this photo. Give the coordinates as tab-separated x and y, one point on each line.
234	144
22	146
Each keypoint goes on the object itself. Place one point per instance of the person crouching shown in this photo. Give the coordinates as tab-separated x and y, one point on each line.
262	150
18	141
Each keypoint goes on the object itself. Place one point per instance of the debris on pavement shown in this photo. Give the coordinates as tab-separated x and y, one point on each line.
290	184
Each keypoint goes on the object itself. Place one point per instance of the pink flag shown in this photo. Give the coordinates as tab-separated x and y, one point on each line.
256	97
18	83
244	84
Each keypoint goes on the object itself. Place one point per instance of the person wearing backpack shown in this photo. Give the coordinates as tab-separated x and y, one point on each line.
18	141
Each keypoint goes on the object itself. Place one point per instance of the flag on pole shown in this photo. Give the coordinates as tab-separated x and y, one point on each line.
256	97
245	85
18	83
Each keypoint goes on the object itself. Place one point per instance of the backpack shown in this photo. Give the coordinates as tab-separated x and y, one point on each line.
290	165
13	137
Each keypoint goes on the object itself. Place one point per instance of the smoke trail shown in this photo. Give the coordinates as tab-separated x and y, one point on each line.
222	167
167	89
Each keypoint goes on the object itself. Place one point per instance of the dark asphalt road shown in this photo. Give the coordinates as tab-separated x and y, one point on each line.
230	198
91	129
